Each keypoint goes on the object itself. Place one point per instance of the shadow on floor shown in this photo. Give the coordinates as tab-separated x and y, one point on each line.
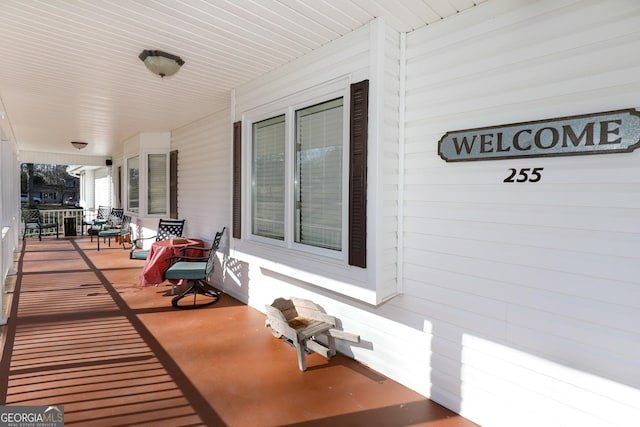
81	333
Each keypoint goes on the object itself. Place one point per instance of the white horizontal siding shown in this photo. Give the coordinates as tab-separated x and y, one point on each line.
103	187
204	180
537	283
387	242
203	174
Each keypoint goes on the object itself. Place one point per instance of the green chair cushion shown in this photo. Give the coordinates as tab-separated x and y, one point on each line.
142	254
110	233
186	270
34	226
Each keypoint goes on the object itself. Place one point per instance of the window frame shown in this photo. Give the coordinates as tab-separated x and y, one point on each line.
288	107
147	157
333	253
253	203
129	160
143	183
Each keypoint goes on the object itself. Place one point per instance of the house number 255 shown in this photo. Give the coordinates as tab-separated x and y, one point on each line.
524	175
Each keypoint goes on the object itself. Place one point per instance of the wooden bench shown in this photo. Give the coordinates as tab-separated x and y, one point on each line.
300	322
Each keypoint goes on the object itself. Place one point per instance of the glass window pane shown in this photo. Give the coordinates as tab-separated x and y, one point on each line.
318	210
268	195
157	175
133	168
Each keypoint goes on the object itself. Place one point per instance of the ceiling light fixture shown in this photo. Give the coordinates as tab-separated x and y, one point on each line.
161	63
79	144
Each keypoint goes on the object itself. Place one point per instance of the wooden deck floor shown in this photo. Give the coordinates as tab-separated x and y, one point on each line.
83	334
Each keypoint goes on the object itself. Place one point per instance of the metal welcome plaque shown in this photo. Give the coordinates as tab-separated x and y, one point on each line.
599	133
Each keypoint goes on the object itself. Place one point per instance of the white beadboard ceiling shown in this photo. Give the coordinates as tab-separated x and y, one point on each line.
69	69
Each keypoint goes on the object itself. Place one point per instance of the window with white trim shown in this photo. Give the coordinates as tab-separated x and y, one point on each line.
313	214
157	175
268	182
133	184
319	175
148	184
307	174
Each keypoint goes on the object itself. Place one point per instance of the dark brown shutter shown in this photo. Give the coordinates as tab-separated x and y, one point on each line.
358	174
237	180
119	188
173	184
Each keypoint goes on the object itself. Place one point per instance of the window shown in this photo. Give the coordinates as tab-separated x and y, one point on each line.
268	194
157	176
307	174
133	179
147	185
314	209
318	175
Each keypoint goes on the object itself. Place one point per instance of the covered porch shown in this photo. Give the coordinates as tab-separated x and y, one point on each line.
82	333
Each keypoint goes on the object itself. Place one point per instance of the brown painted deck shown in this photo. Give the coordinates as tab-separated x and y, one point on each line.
83	334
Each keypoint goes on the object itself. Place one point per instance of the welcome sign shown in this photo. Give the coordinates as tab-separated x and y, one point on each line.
600	133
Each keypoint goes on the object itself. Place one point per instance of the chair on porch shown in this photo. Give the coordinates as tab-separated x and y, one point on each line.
112	221
196	271
167	229
33	221
101	217
122	231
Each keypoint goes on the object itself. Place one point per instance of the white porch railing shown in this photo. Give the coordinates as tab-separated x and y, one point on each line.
7	267
51	215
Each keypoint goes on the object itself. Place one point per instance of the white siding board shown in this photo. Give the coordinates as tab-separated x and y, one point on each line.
577	218
587	331
204	181
440	312
574	354
467	301
559	257
595	242
517	285
388	241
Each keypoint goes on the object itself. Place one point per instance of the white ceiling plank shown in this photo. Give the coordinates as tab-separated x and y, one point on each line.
70	69
333	21
443	8
354	15
461	5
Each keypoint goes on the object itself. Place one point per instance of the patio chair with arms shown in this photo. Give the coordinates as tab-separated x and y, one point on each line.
33	221
122	231
113	220
101	217
167	229
195	270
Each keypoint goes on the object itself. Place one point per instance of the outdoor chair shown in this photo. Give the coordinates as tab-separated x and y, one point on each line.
113	220
101	218
167	229
101	222
33	221
195	271
121	232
